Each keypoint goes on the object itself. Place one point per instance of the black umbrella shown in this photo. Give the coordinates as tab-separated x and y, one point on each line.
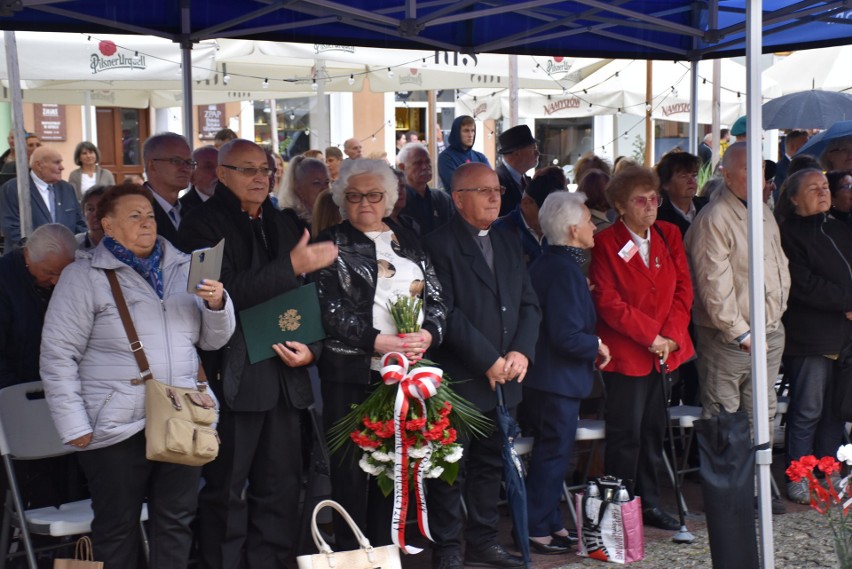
513	476
807	109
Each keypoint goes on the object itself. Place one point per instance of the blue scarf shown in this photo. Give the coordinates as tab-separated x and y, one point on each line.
149	269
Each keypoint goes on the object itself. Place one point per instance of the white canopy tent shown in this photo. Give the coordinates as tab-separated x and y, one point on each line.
620	86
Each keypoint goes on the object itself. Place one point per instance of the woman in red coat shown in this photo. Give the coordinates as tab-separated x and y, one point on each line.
643	295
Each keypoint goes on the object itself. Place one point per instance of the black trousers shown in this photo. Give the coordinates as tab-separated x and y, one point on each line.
120	478
479	478
635	426
351	487
249	505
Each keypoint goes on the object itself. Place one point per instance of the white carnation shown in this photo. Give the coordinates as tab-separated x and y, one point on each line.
435	472
382	456
844	454
455	454
420	452
369	467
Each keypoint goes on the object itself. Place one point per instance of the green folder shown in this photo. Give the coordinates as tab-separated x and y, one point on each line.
292	316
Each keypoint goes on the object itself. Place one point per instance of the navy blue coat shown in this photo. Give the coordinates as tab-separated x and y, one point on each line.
514	222
22	312
68	211
567	345
488	314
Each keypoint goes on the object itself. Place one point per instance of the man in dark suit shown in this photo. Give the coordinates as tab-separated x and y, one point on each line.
52	200
265	254
203	178
520	153
492	327
168	167
429	207
791	144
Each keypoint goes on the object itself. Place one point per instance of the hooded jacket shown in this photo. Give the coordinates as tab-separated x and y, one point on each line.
457	154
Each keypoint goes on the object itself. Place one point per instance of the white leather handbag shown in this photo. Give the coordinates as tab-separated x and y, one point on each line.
366	557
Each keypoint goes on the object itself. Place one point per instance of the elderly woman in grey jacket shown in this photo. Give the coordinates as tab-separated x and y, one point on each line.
87	368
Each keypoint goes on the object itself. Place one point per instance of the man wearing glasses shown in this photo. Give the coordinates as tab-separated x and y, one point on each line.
492	328
168	167
266	253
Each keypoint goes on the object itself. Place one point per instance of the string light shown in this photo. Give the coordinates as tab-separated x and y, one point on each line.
647	107
307	131
351	79
226	79
314	85
266	83
373	138
292	115
390	73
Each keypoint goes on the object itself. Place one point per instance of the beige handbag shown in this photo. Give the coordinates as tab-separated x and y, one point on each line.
178	421
367	557
83	557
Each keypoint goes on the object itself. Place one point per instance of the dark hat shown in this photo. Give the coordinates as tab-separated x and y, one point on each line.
516	137
739	127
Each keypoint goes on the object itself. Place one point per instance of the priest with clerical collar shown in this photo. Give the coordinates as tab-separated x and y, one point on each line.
492	328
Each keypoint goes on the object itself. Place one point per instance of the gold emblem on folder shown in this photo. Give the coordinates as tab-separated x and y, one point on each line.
290	320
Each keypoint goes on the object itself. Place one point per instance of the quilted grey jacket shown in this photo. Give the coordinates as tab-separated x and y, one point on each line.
86	363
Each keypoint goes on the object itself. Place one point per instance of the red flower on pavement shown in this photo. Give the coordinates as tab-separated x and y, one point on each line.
828	465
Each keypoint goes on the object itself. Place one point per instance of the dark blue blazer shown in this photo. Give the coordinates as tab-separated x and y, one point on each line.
488	314
22	312
514	222
68	211
567	345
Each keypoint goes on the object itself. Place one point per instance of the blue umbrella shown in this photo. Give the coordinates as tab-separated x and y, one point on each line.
513	476
807	109
816	145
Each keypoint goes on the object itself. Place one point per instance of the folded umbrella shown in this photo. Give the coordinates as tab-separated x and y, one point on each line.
513	476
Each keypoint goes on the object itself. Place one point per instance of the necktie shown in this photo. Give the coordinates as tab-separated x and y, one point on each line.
51	202
173	216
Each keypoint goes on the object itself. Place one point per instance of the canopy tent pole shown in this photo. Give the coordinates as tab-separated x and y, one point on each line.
693	108
513	90
320	135
21	165
757	298
87	118
716	108
649	123
273	128
431	131
186	71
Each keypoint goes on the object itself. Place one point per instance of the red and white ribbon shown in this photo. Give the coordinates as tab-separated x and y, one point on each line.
419	384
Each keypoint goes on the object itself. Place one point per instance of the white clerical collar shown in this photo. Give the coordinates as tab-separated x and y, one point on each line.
483	232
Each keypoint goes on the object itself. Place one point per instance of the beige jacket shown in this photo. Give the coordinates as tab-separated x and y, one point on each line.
717	249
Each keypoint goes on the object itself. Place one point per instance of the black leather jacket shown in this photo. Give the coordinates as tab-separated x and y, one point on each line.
346	291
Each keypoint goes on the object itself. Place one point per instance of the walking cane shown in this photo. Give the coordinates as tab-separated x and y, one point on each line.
683	535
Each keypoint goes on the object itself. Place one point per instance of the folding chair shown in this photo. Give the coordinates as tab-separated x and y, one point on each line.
27	432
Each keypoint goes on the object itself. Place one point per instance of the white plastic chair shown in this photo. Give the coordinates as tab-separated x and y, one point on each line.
27	432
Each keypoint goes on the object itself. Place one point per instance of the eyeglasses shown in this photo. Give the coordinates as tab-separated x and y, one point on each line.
484	191
358	197
249	172
177	162
642	201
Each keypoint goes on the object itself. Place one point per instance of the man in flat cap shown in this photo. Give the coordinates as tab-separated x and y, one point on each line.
520	153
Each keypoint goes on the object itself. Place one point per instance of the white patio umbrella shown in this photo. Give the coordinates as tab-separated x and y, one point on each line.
824	68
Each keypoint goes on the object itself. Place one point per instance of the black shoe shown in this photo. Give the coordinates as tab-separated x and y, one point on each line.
657	518
447	561
552	548
565	540
778	506
494	556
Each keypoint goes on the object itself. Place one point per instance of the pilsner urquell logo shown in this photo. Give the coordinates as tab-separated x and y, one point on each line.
106	58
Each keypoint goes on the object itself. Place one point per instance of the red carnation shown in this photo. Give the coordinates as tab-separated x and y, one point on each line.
829	465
